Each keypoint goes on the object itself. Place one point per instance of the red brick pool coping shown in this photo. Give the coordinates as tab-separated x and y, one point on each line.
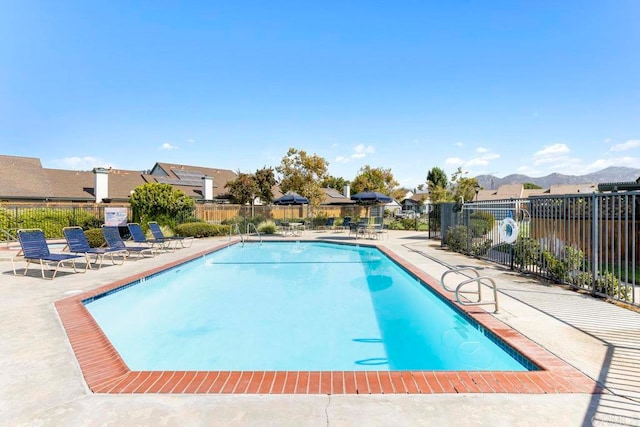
105	371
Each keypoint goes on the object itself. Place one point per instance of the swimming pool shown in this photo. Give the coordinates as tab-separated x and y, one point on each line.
292	306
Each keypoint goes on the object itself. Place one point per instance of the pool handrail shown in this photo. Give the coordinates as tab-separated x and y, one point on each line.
477	279
237	228
248	229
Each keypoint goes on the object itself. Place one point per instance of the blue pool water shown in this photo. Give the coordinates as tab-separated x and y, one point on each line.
292	306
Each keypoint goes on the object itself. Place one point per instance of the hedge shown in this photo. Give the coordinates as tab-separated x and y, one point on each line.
201	229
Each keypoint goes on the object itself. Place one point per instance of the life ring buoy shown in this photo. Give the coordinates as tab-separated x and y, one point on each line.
509	230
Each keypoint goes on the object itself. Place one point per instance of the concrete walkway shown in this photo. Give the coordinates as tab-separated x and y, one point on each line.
41	383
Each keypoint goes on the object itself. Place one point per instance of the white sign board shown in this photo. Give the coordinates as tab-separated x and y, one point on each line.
115	216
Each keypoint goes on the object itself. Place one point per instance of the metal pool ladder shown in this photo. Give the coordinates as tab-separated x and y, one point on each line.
236	227
479	280
247	231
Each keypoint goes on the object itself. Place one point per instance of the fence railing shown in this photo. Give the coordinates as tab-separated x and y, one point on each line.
590	242
53	217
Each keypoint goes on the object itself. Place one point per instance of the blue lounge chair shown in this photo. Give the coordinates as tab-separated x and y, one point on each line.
138	236
345	223
35	249
78	244
159	235
328	225
114	241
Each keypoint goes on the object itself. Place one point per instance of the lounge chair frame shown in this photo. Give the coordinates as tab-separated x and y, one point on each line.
114	241
77	243
138	237
35	249
159	235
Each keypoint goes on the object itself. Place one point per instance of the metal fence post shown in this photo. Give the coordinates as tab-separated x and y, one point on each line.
595	220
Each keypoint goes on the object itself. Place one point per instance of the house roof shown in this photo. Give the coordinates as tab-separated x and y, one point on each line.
334	197
24	178
572	189
188	178
419	198
507	191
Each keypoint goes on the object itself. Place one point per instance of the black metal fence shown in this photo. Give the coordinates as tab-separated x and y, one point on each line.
51	217
590	242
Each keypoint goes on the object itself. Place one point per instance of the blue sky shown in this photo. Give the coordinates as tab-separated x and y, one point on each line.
497	87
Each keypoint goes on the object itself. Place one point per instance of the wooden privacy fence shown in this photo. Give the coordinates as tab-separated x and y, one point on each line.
53	216
217	213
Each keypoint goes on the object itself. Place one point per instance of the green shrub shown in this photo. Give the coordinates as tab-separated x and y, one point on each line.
609	284
154	201
396	225
95	237
481	223
481	249
84	219
267	227
554	266
526	252
50	220
201	229
8	221
456	238
408	223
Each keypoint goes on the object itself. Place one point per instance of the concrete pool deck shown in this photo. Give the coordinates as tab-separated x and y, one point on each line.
42	383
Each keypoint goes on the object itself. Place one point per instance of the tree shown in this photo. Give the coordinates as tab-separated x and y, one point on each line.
303	174
265	179
463	187
531	186
437	183
374	179
243	189
337	183
439	195
437	177
160	202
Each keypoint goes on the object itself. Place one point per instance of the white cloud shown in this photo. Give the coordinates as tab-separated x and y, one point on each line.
81	163
527	170
167	146
600	164
482	160
481	150
454	161
360	151
555	155
632	143
459	144
552	150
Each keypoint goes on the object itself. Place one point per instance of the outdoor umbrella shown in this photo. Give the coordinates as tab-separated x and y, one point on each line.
291	198
369	198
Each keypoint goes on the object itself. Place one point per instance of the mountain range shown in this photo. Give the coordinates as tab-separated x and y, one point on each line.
610	174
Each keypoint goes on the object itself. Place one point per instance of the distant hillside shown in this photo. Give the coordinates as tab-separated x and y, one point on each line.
610	174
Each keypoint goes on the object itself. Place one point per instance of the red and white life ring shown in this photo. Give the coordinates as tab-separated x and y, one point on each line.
509	230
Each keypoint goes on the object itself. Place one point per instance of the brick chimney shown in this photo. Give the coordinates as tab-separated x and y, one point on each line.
207	188
101	184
